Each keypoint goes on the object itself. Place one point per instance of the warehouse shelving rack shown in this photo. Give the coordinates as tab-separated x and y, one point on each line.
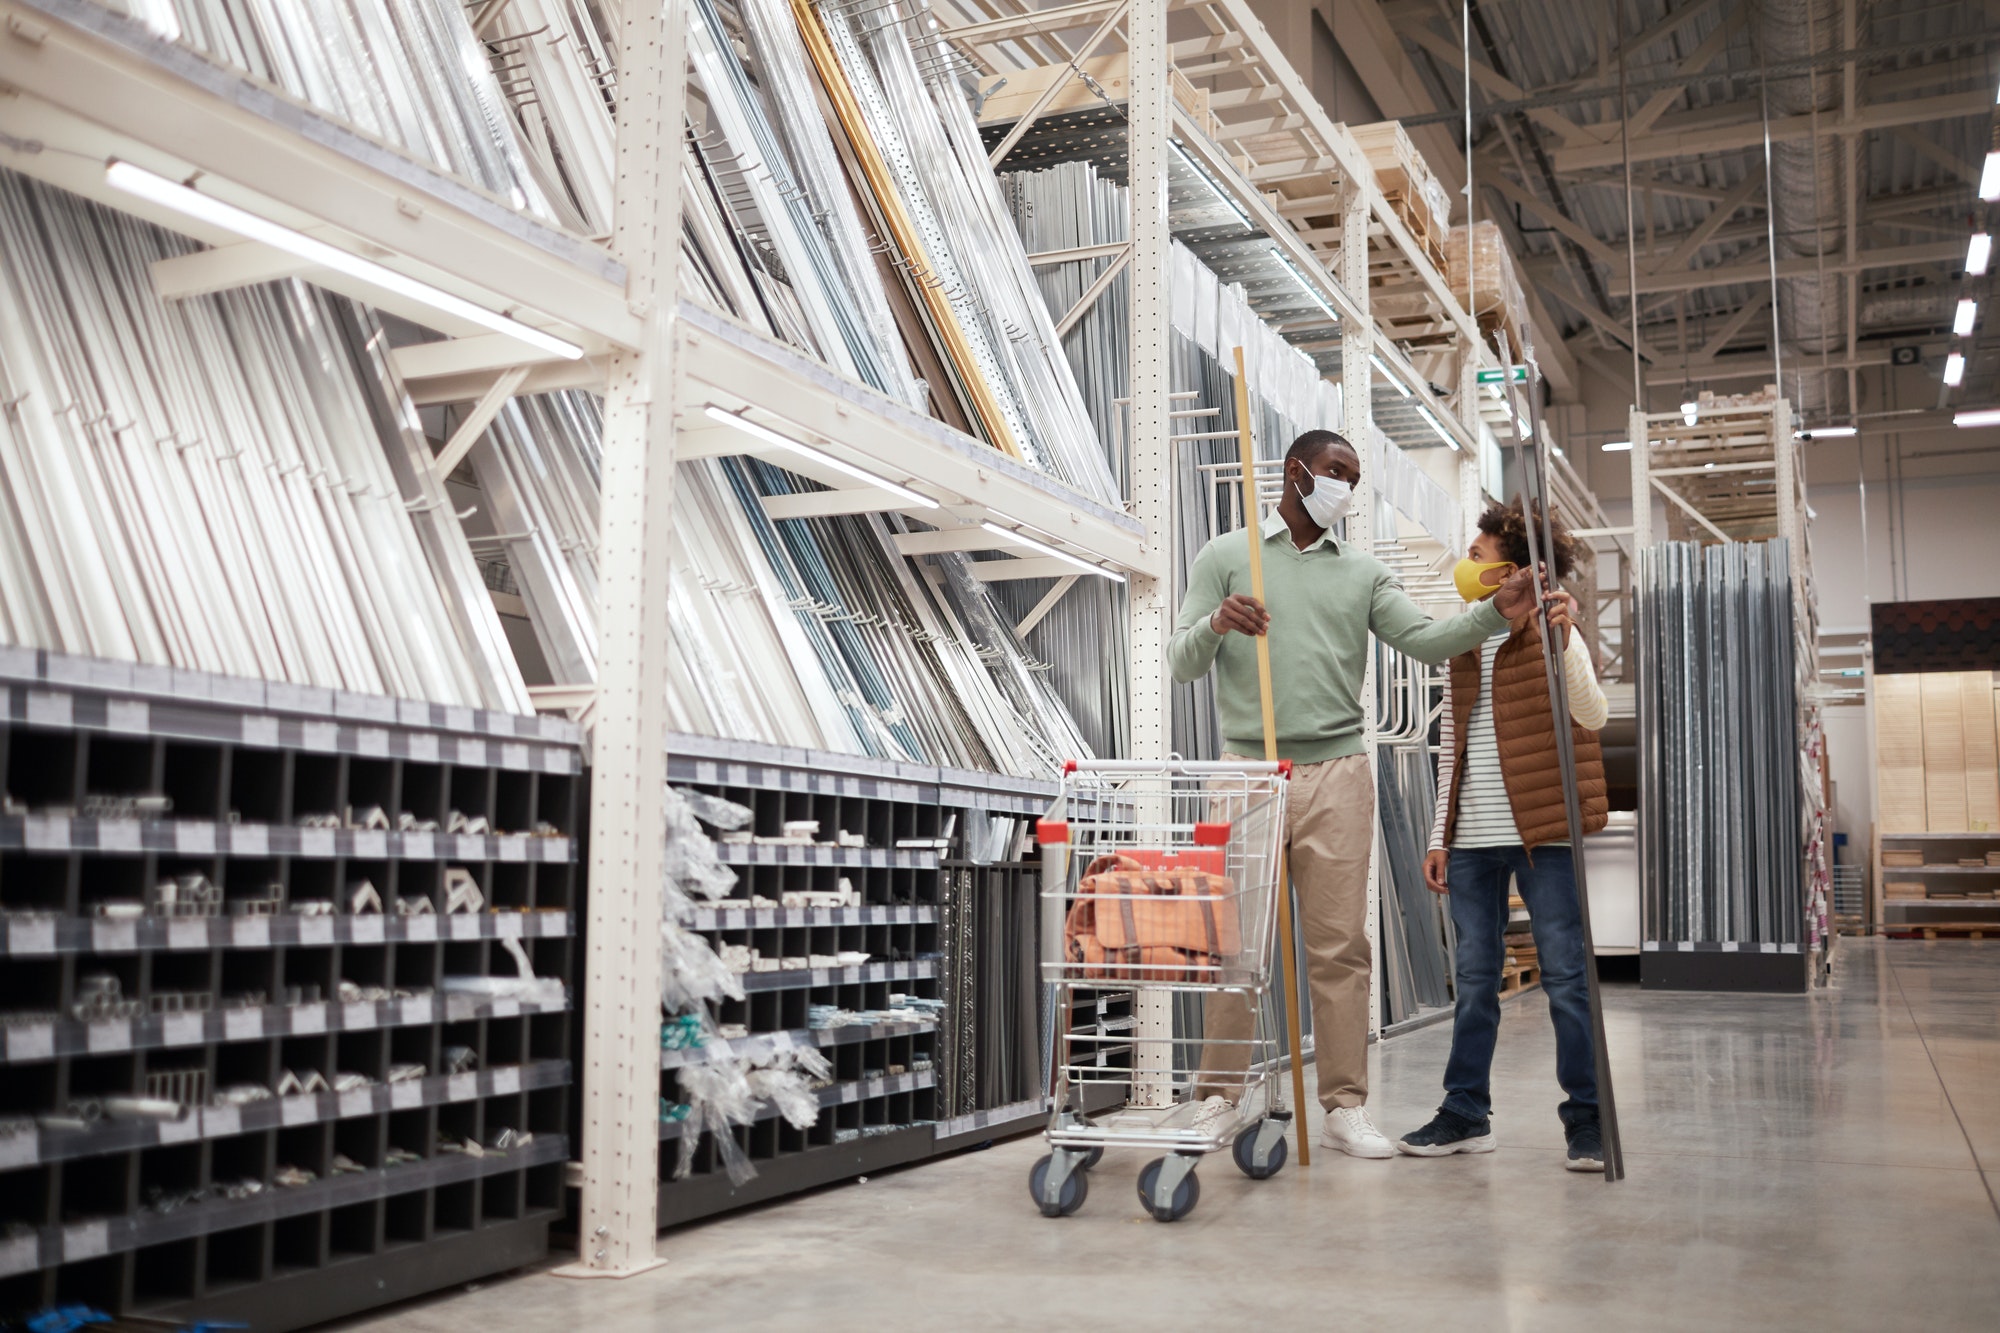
900	1091
244	988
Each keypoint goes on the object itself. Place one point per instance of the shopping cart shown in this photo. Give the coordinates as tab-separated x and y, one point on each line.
1159	897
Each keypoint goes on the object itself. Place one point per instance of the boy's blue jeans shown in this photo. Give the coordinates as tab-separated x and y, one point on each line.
1478	880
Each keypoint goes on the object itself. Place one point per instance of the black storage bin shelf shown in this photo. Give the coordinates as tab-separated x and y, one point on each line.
41	1144
868	858
143	1230
42	1041
29	936
819	978
767	1044
725	917
199	838
834	1094
900	1091
183	924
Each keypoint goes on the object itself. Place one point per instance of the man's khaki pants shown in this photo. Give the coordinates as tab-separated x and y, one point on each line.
1329	826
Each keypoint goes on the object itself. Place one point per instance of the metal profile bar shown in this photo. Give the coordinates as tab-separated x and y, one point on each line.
1531	462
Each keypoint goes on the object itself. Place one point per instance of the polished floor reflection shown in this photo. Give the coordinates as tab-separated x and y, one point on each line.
1793	1162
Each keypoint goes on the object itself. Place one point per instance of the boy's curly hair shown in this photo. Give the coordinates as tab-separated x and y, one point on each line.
1504	523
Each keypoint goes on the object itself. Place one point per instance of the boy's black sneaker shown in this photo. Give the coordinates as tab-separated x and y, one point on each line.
1447	1133
1586	1147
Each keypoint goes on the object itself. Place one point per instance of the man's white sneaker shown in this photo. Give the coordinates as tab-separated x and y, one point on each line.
1349	1129
1212	1110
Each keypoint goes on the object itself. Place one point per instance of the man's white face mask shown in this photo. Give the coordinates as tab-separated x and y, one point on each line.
1328	501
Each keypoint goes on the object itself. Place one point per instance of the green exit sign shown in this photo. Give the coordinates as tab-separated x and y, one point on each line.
1517	374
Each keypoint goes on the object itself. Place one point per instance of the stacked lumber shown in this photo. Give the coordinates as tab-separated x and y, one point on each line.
1407	183
1899	753
1486	279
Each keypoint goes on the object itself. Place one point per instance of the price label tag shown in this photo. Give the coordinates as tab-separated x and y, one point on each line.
115	1035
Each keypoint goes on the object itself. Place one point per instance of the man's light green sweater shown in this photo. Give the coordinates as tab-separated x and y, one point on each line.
1323	603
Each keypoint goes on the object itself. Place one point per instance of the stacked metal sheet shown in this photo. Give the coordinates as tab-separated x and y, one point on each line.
813	633
217	483
1415	959
1069	206
903	78
407	72
1721	812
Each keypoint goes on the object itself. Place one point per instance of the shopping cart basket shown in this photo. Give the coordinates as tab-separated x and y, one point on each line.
1160	888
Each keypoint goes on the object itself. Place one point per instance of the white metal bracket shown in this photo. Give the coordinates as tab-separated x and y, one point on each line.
475	422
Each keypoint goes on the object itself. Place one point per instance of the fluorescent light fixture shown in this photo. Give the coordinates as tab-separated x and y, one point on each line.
1312	289
1214	186
1388	374
1690	411
1431	420
160	17
1989	177
820	456
1965	317
206	208
1983	416
1618	446
1830	433
1978	253
1034	544
1954	368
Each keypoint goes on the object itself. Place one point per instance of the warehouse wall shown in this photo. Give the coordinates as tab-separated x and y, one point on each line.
1932	530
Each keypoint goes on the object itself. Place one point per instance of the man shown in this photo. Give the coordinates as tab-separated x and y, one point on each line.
1321	601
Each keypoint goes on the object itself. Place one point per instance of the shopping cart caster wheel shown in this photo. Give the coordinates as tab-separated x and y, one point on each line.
1245	1152
1186	1194
1092	1158
1075	1189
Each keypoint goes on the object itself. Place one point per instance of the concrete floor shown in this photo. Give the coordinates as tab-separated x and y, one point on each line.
1793	1162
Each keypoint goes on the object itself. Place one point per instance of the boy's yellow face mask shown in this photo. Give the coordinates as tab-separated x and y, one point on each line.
1467	575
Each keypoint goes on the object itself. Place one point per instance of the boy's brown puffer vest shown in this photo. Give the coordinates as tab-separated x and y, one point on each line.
1524	727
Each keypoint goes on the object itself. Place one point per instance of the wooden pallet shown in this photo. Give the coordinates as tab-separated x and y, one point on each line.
1416	215
1946	930
1516	980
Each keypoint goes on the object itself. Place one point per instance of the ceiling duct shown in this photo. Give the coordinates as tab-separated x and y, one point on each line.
1806	196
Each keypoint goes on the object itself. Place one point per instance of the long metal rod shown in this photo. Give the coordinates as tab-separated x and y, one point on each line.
1534	491
1631	227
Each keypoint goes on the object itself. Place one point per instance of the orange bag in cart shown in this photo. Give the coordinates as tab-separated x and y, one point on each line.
1139	923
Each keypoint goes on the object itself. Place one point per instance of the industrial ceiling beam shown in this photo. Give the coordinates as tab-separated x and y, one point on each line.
1731	275
1704	55
1699	142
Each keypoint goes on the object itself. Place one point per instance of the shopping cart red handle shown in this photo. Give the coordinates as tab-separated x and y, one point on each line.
1191	767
